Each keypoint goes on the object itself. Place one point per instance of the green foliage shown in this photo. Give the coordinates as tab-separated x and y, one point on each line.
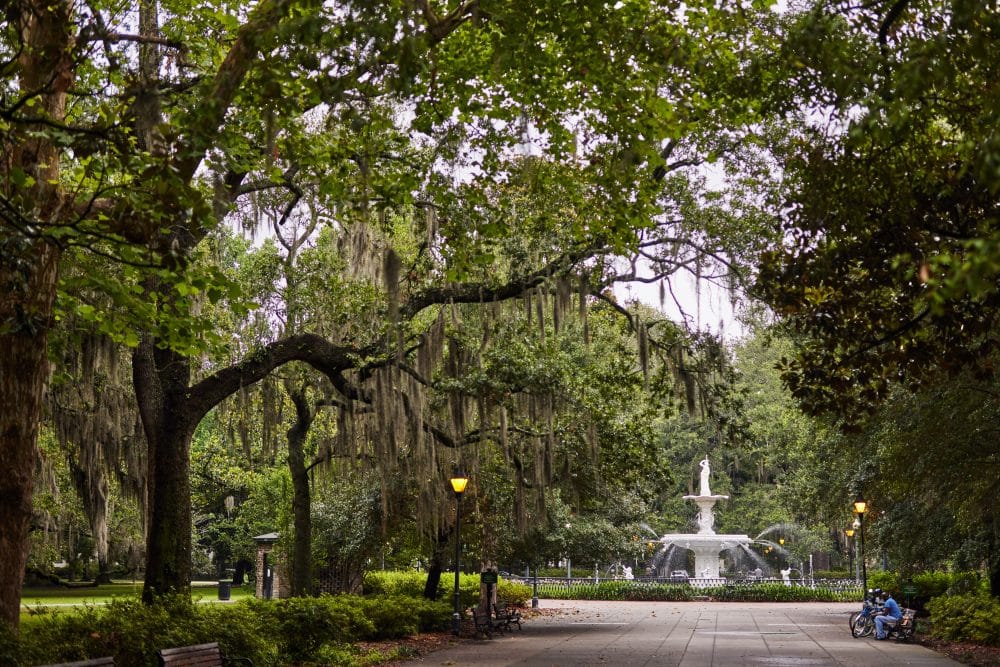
884	579
964	583
132	632
417	614
389	583
931	584
621	590
268	632
9	645
887	266
969	617
303	625
513	593
394	582
640	590
777	592
345	521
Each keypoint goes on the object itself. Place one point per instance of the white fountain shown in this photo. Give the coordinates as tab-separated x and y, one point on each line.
706	545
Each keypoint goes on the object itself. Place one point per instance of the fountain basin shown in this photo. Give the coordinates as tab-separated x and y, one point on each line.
707	549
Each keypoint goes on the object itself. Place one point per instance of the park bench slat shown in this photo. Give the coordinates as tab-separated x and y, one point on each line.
199	655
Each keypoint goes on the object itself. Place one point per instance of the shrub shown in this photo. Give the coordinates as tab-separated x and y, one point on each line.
299	630
963	583
8	645
513	592
887	581
401	616
432	615
931	584
388	582
973	617
132	632
306	624
391	617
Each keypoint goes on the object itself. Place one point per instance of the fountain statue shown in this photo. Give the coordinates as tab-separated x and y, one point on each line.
706	545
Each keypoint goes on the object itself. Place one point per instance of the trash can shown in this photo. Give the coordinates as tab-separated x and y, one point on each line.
225	588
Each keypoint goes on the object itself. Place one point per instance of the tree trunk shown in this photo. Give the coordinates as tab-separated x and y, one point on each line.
28	275
301	500
435	567
433	578
24	319
161	384
993	556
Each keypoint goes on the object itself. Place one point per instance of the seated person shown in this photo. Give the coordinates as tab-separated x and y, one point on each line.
891	613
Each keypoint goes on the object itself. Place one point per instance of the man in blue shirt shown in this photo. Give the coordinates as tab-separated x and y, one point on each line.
891	613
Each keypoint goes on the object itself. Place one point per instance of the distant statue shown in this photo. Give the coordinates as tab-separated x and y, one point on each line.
705	470
627	572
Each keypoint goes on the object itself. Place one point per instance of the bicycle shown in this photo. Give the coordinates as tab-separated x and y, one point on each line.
862	622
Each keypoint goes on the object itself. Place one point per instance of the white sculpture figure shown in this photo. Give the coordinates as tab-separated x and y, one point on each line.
705	470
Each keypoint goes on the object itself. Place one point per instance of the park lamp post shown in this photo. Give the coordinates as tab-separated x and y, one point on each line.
849	532
534	586
857	558
860	507
458	483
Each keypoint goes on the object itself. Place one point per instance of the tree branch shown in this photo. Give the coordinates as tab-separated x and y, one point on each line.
329	359
229	78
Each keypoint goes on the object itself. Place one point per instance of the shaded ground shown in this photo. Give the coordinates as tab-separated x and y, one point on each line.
424	644
963	652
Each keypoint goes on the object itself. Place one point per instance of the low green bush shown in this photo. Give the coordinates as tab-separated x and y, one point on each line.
930	584
304	625
513	593
971	617
778	592
964	583
391	582
887	581
317	630
132	632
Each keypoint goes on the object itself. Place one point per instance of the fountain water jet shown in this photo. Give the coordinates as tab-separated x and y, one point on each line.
706	545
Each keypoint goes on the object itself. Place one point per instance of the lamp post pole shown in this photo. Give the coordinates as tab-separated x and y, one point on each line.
458	482
534	587
860	506
850	551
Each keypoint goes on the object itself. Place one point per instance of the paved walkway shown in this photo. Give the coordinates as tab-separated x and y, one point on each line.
687	634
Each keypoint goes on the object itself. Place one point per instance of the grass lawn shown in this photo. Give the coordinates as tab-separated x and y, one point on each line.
52	596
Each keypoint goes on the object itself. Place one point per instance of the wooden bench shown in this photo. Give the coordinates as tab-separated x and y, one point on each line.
508	615
200	655
906	625
485	623
93	662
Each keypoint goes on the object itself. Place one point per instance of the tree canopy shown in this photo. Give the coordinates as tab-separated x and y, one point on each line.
131	133
887	266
